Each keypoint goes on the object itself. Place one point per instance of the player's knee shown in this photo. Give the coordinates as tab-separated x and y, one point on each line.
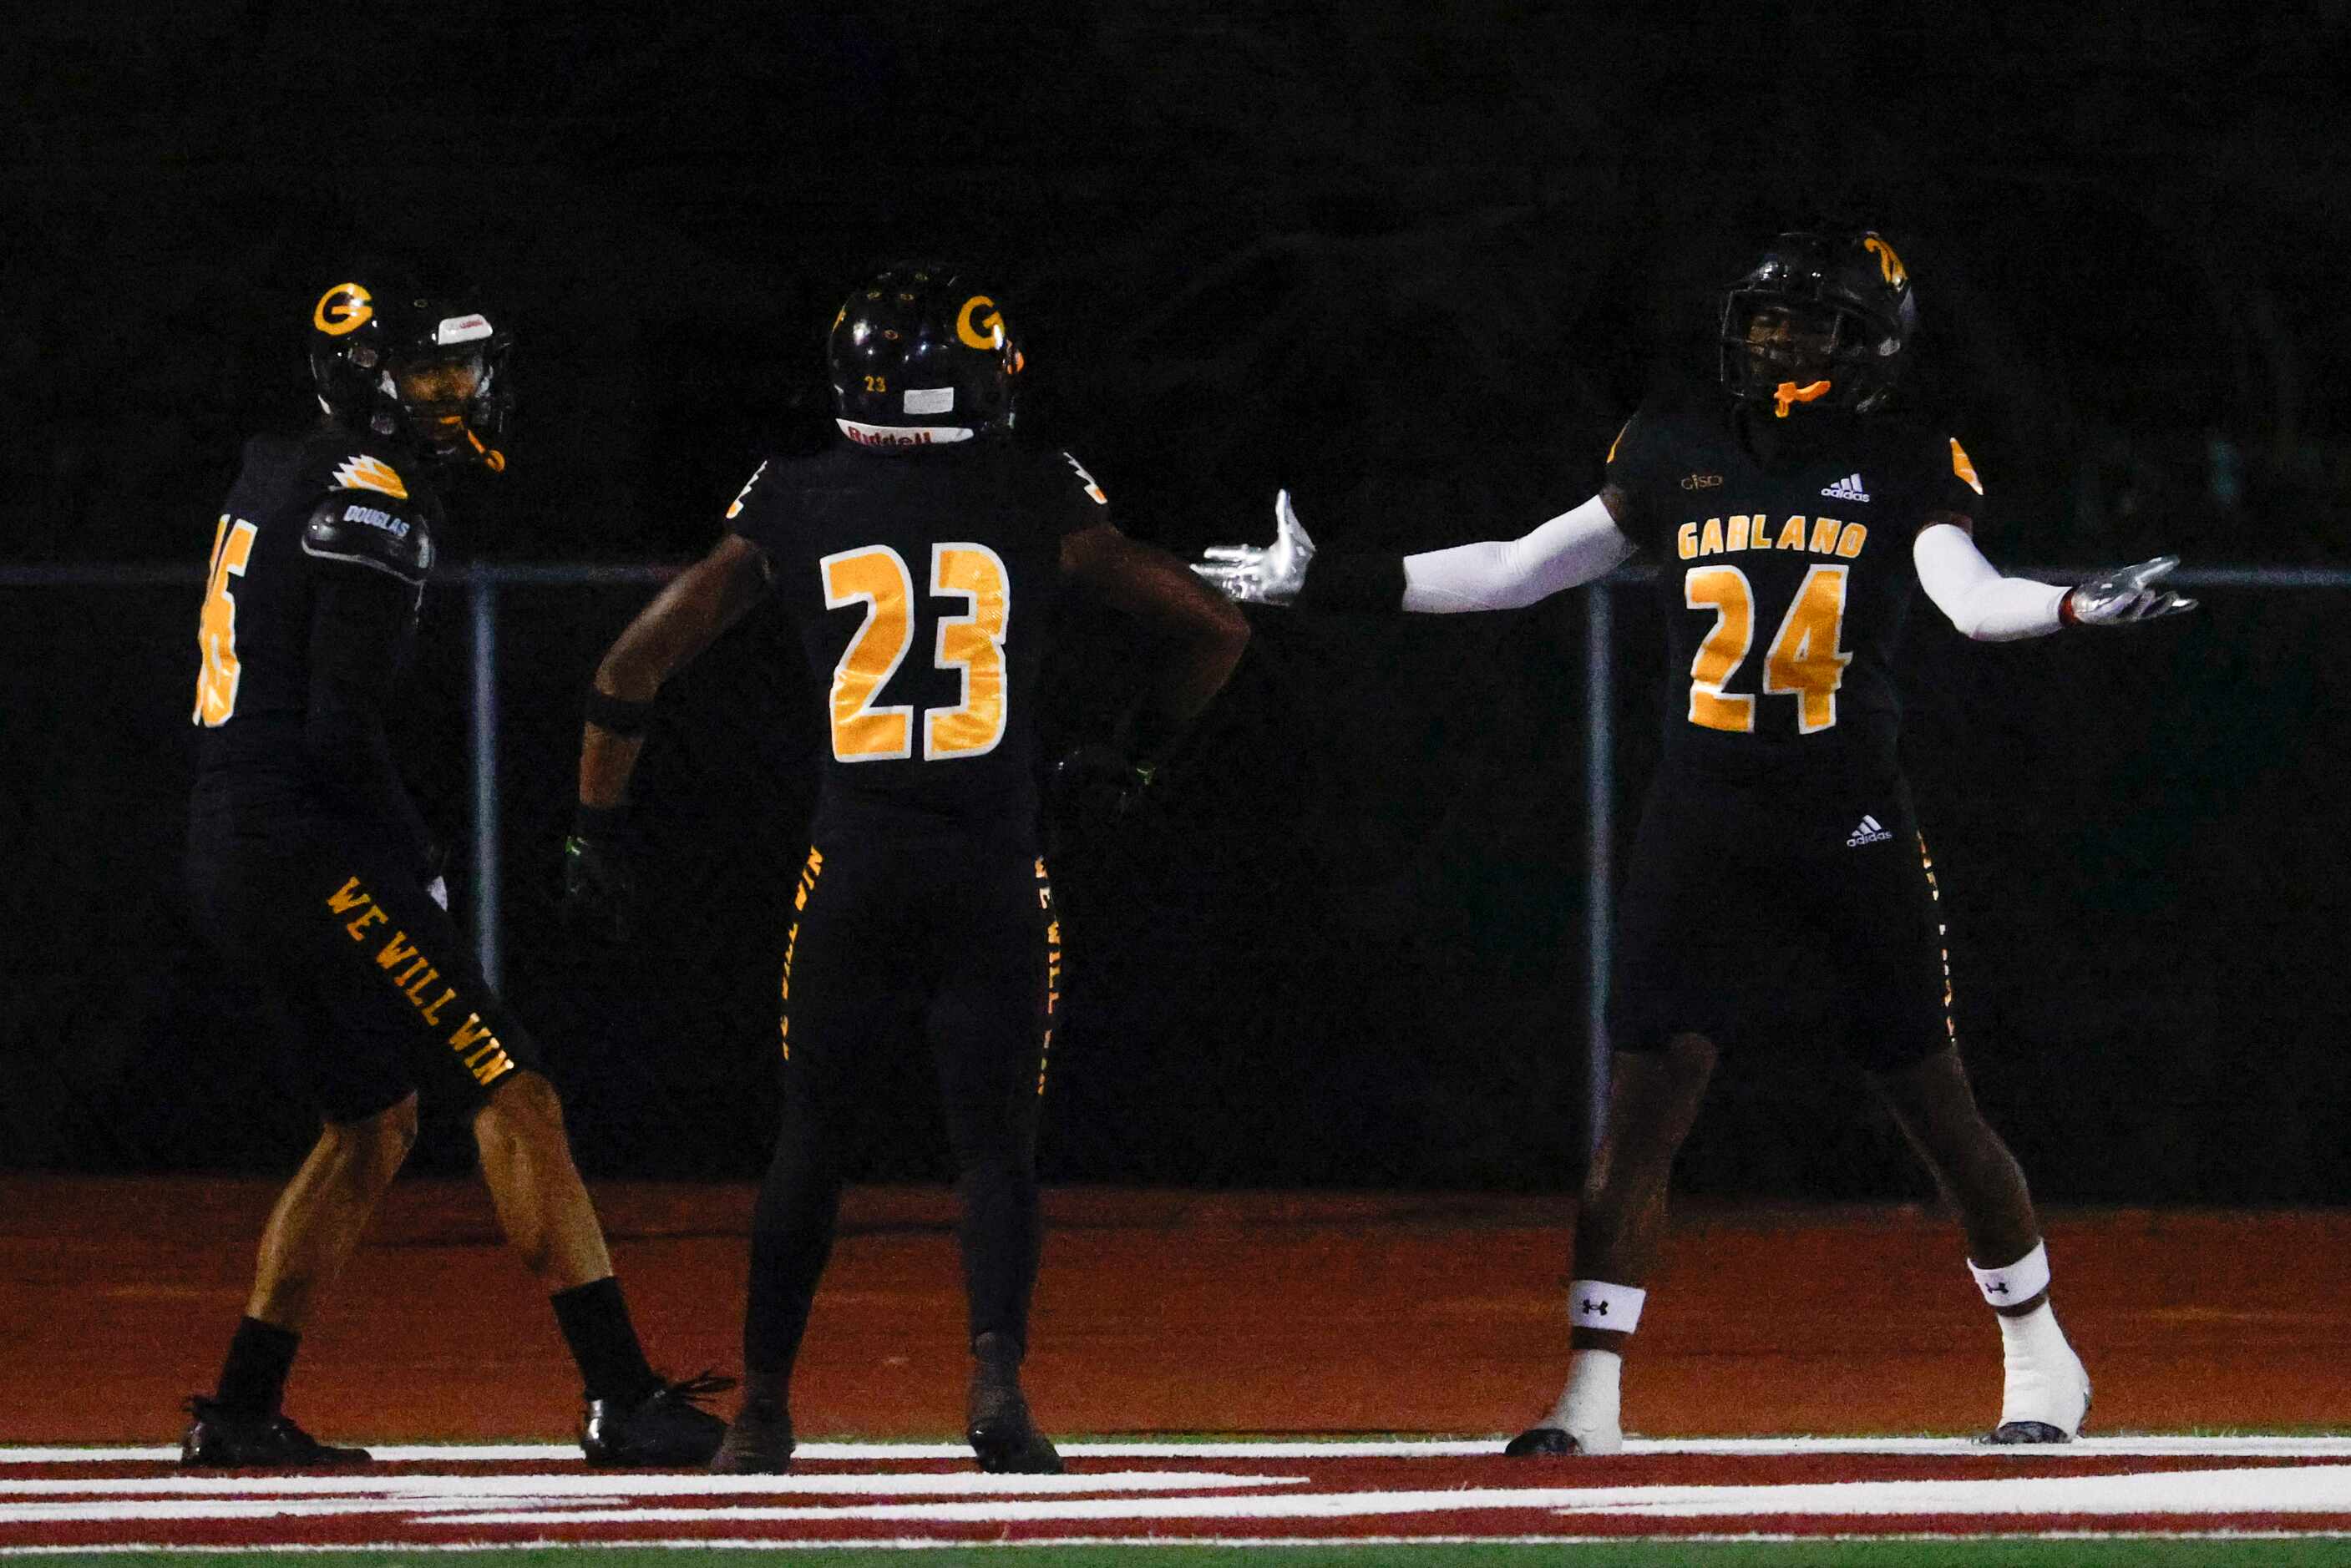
525	1109
368	1153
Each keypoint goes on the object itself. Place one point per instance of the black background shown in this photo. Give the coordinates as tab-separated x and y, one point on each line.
1416	267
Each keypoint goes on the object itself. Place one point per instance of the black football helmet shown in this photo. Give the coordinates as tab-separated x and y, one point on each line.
431	371
922	355
1821	321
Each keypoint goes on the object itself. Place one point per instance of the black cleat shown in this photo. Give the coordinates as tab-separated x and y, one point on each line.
996	1424
2009	1434
223	1438
758	1443
665	1427
1540	1443
2037	1434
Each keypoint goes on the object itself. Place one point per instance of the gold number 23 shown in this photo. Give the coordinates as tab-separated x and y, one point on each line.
1804	661
972	644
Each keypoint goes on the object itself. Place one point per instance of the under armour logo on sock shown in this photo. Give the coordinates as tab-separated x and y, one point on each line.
1999	1287
1597	1309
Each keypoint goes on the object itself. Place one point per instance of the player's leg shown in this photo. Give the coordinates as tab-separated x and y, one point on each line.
1653	1099
1680	939
990	1027
1906	1037
398	964
839	948
2045	1392
316	1224
312	1231
262	911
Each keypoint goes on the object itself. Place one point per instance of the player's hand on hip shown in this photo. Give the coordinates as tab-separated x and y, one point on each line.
1093	786
2125	594
1270	574
599	886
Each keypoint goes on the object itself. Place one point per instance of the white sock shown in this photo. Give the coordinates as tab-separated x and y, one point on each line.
2045	1380
1589	1406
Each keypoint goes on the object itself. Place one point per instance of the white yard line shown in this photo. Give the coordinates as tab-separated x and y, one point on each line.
2152	1445
1243	1542
619	1486
2312	1489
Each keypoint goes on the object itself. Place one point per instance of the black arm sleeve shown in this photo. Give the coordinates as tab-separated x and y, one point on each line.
361	622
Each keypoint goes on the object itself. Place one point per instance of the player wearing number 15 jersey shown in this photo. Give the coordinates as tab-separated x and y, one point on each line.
919	558
1791	521
310	868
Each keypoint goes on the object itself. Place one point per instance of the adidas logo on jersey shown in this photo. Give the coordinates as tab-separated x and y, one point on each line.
1871	831
1846	489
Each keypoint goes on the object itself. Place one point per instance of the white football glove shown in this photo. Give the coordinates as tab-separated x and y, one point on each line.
1270	574
2125	594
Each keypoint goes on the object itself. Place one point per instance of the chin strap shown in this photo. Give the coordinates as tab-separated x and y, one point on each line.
492	458
1789	393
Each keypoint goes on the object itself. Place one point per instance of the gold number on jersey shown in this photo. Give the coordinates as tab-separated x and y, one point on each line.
1725	591
876	577
1804	660
217	669
972	644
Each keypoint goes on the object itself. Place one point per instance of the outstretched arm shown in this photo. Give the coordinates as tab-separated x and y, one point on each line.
1571	549
1205	634
1989	608
684	619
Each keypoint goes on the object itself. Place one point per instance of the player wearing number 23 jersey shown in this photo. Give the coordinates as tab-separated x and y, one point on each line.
1776	859
919	557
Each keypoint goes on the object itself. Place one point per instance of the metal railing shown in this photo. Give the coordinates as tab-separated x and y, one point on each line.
483	582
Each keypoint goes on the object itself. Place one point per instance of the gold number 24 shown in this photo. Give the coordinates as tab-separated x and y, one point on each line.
1804	660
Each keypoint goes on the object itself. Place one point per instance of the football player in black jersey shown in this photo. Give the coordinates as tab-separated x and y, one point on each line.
919	557
312	872
1793	518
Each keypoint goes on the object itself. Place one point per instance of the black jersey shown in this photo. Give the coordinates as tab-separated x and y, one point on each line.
319	562
922	584
1786	570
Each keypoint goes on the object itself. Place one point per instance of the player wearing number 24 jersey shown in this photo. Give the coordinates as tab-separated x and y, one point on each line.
919	558
1791	521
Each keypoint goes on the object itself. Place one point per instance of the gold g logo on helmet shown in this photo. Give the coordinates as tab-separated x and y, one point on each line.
346	308
985	331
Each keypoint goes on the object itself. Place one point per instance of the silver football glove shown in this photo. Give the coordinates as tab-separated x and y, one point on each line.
1270	574
2126	595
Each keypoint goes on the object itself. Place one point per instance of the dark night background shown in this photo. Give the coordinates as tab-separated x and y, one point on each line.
1417	267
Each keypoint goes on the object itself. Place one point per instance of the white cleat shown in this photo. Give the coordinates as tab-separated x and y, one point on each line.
2046	1394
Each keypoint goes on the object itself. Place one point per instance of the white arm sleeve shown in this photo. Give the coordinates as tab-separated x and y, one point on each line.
1969	589
1571	549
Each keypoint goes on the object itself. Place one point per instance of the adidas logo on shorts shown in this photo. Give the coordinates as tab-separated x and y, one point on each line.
1846	489
1871	831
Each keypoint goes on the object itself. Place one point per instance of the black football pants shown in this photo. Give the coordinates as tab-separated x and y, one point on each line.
968	933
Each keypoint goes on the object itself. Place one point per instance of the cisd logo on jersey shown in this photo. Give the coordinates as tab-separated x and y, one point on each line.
344	308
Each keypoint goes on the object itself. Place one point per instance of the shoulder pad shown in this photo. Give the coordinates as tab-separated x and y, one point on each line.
367	528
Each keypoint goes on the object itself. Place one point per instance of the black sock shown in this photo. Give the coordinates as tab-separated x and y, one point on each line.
260	1354
595	1324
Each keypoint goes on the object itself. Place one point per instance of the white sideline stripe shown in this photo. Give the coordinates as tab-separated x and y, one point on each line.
616	1489
2314	1489
2245	1445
